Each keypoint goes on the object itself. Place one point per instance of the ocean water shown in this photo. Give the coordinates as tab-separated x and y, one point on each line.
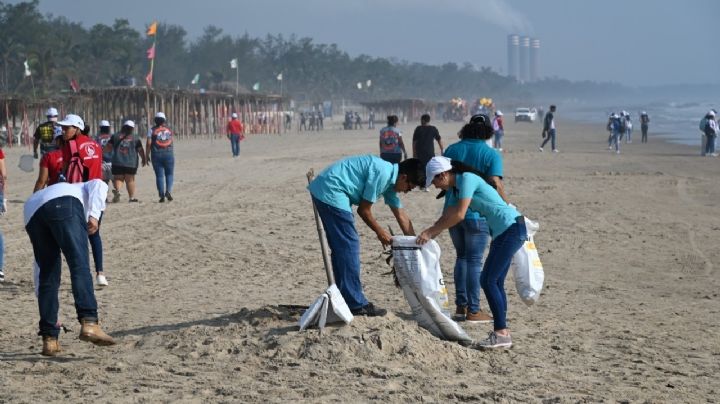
674	122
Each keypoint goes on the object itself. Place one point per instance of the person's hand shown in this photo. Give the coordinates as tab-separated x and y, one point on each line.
3	207
35	154
423	238
228	136
384	237
543	134
92	225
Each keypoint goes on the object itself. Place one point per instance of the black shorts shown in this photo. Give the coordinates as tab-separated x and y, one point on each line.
120	170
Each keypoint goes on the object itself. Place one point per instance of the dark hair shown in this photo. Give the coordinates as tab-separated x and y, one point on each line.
126	129
104	129
86	130
552	108
392	120
413	169
479	127
425	118
159	121
458	167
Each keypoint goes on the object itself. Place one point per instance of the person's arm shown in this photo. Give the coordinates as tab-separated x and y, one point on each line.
403	221
452	216
3	175
145	157
36	142
442	147
42	179
97	193
402	146
365	212
497	183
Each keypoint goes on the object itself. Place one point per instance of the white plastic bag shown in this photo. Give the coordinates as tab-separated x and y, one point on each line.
418	271
330	307
527	268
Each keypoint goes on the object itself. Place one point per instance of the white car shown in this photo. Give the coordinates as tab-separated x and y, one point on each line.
525	114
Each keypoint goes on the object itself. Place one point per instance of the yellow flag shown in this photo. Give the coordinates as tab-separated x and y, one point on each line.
152	29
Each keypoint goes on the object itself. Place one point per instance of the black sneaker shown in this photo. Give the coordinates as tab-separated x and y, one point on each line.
168	196
162	199
2	276
369	310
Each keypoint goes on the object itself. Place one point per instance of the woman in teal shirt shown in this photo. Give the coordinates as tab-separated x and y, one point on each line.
466	190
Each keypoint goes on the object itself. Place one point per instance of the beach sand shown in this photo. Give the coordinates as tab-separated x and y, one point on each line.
200	288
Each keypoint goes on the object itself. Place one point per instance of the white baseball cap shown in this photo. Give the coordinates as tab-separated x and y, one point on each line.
104	123
234	115
129	123
51	112
498	113
160	115
711	113
435	166
72	120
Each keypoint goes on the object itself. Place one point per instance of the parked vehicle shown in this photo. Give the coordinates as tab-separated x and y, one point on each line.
525	114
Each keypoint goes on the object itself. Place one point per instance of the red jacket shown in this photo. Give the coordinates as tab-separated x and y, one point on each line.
235	127
90	156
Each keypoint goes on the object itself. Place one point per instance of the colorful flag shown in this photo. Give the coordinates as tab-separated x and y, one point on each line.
152	29
233	64
195	79
74	85
279	76
256	86
151	52
28	73
148	79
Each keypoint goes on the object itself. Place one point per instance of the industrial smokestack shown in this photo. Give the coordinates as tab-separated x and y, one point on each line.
513	51
534	51
524	59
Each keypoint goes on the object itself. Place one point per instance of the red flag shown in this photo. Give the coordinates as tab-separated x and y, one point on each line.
74	85
148	79
151	52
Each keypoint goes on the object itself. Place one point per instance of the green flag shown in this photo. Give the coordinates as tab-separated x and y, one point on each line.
195	79
256	86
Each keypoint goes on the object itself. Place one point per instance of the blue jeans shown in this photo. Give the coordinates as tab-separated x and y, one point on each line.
164	165
59	225
344	242
235	144
97	248
469	238
498	138
550	135
2	251
628	139
710	144
616	138
497	264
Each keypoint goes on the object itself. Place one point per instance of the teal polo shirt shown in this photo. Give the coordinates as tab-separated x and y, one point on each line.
350	180
484	200
477	154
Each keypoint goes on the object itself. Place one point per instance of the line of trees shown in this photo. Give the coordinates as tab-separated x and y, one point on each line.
58	50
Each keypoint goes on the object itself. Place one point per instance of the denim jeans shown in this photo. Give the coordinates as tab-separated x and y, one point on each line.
59	225
644	129
616	138
497	264
498	138
235	144
550	136
164	165
628	138
470	238
97	248
2	251
344	242
710	144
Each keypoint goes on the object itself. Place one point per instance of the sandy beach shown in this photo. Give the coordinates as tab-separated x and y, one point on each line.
201	289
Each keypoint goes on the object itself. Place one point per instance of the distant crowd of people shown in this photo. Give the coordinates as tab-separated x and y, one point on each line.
620	127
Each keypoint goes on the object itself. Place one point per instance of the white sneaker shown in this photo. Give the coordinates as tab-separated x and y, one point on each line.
500	149
101	281
2	276
540	148
556	151
617	152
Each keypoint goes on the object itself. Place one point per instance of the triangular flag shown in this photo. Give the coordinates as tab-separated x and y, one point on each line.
151	52
195	79
74	85
152	29
256	86
279	76
233	64
149	79
28	73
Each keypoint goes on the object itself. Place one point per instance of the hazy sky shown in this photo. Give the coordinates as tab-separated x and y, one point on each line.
634	42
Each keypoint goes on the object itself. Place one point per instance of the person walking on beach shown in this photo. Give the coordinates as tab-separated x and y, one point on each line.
466	190
45	133
392	148
424	139
360	181
126	150
499	130
616	124
102	138
3	210
159	149
235	134
628	128
58	219
548	132
711	132
470	236
644	122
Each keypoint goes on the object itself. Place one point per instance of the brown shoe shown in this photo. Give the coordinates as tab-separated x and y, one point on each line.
90	331
460	313
479	317
51	346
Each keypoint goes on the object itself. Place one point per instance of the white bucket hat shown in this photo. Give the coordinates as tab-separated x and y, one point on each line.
435	166
72	120
129	123
160	115
234	115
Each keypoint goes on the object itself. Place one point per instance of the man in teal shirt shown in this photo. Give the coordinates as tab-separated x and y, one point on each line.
360	180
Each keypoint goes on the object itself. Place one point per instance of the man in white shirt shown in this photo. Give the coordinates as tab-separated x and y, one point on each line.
59	218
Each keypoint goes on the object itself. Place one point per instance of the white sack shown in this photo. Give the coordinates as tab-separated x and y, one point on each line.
330	307
527	268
